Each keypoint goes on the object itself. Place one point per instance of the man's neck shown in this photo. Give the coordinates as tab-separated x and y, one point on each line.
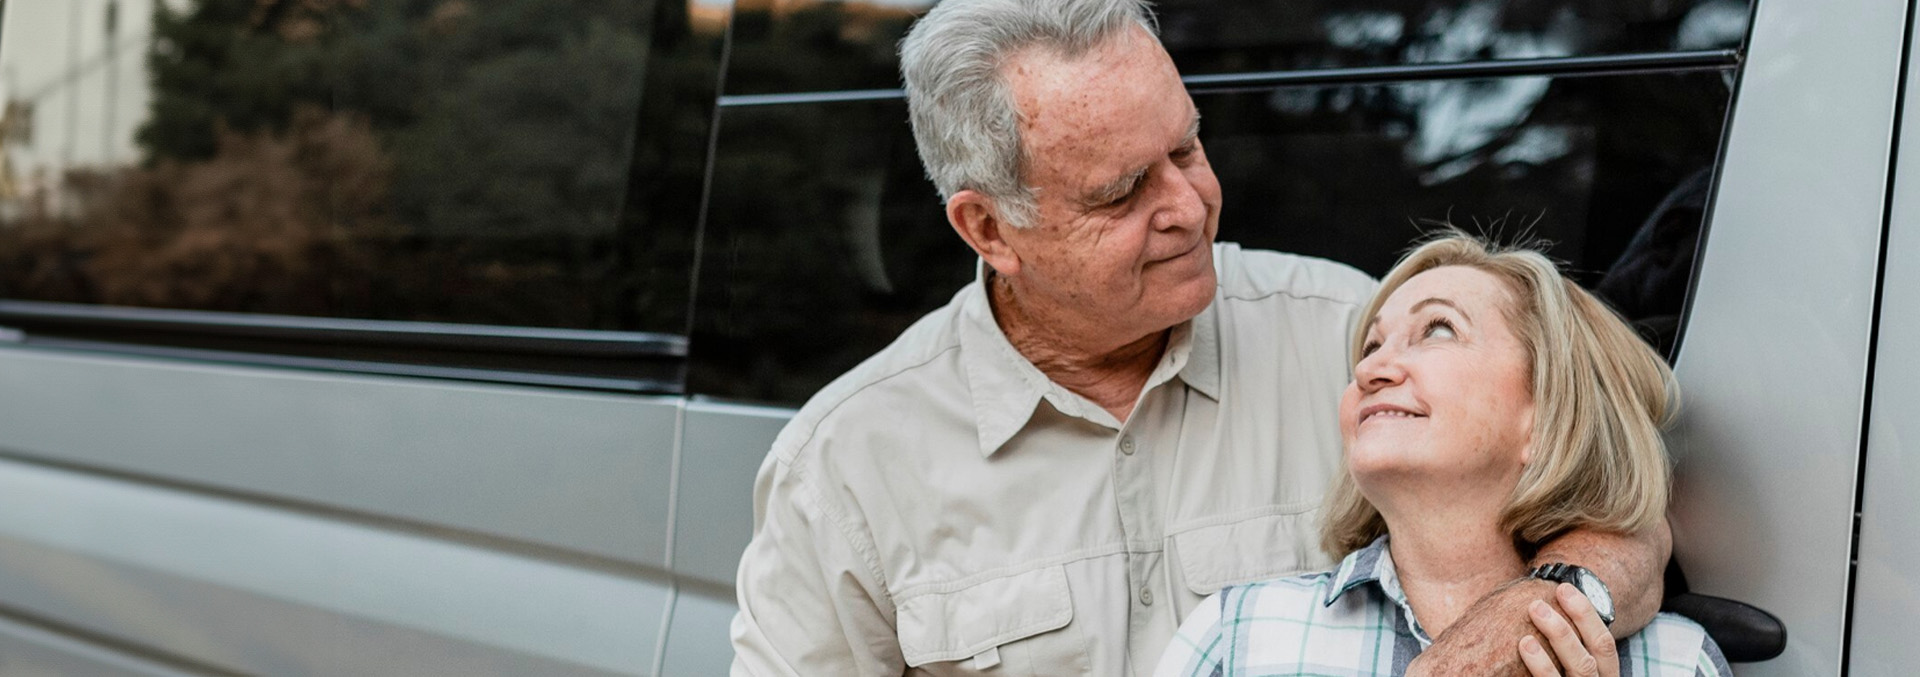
1111	373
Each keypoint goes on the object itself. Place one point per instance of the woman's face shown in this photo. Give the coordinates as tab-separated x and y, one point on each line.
1441	403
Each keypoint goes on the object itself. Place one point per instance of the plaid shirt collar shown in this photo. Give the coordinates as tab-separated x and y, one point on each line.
1371	564
1374	564
1262	629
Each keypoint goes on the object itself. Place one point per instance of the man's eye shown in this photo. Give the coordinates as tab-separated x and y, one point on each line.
1123	198
1184	153
1440	328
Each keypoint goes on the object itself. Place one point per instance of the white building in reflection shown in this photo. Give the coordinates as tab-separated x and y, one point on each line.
73	76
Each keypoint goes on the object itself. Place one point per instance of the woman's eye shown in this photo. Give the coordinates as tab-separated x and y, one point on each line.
1368	348
1440	329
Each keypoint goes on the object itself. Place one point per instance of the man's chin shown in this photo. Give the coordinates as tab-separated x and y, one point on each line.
1201	287
1190	297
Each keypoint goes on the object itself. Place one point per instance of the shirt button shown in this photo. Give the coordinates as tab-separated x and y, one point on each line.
1146	596
1126	445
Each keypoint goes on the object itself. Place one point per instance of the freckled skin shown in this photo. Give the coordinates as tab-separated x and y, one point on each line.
1099	279
1471	391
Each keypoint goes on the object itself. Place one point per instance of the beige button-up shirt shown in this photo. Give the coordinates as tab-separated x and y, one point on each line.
945	509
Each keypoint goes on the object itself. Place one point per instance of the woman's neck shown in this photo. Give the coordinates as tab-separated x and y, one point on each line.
1445	566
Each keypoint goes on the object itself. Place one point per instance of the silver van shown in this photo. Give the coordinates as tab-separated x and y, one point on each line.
446	336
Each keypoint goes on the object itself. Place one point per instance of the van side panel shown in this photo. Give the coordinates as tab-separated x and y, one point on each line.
1773	368
262	591
579	471
721	451
1886	592
28	651
723	448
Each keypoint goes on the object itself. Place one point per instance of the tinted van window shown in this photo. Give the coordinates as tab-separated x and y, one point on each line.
506	162
820	45
825	240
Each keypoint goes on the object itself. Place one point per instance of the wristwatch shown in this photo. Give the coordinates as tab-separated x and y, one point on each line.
1583	580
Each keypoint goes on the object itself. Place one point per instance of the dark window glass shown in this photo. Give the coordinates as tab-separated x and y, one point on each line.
500	162
825	240
821	45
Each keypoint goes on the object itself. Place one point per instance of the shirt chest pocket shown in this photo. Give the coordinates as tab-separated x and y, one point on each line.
1012	625
1254	549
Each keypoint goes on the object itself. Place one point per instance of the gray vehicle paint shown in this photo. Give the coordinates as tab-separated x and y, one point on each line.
1773	368
1886	591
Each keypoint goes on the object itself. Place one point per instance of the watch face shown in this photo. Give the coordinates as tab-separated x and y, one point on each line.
1596	592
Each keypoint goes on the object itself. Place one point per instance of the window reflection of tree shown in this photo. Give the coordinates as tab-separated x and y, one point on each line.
492	162
826	45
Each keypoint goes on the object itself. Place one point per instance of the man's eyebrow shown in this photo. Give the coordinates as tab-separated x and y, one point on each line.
1117	188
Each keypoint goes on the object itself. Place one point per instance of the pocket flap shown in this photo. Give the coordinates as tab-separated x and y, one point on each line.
951	626
1253	549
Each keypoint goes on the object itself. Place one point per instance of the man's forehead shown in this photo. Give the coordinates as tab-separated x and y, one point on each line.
1049	86
1098	104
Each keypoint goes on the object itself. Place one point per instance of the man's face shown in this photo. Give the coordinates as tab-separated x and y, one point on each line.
1128	206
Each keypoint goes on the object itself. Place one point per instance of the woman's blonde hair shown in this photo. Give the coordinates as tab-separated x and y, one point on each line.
1600	396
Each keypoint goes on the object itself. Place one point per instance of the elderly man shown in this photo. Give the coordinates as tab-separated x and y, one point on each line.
1119	418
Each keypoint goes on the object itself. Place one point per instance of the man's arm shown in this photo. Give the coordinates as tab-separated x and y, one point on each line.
1632	565
810	602
1482	642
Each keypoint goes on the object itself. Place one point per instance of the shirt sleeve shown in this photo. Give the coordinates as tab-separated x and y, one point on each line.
811	602
1712	663
1196	649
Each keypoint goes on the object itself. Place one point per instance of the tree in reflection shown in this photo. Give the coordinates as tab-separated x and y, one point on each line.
460	160
804	194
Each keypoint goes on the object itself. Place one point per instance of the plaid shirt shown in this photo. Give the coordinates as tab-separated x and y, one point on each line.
1355	621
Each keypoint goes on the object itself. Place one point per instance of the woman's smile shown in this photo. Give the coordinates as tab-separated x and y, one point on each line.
1386	412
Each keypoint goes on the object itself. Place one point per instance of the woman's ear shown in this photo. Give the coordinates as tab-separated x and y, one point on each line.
977	219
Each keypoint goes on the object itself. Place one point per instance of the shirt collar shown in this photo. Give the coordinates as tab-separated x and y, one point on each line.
1006	387
1374	564
1371	564
1202	355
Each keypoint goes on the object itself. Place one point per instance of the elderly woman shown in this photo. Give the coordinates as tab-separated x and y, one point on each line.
1494	405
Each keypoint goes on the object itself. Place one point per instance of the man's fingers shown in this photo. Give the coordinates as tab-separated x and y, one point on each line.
1539	664
1564	640
1593	631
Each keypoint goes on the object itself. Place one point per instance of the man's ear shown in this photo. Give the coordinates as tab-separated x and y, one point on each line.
974	216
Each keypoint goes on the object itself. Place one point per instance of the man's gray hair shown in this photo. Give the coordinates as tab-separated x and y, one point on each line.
965	122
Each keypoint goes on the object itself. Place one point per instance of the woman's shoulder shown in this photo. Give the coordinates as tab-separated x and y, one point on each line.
1266	598
1201	644
1673	645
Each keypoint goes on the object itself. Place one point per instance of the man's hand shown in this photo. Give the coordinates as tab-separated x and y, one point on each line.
1589	651
1632	565
1482	641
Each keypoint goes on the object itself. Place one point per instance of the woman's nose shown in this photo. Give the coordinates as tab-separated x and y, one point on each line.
1379	369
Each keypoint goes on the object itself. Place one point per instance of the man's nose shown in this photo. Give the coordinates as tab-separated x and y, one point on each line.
1183	207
